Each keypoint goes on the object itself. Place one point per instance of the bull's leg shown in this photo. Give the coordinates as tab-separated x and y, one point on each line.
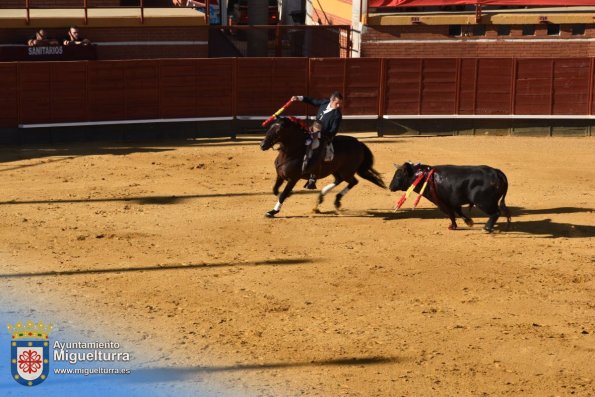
467	220
489	226
453	222
448	211
324	191
493	212
284	194
351	183
277	185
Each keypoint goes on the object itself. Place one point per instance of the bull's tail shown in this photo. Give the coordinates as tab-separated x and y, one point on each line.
366	169
503	208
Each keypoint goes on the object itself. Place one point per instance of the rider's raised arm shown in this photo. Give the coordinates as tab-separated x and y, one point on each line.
313	101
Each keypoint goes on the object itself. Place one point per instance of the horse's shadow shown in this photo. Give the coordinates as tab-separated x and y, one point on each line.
544	227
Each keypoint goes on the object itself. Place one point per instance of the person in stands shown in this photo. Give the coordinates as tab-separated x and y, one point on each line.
41	39
75	38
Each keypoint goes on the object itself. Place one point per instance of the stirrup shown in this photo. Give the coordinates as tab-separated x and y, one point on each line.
311	184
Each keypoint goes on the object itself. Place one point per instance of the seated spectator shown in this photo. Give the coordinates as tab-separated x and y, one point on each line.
75	38
40	39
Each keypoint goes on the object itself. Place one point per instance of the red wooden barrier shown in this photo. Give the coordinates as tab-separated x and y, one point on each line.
177	88
215	87
9	107
141	88
402	86
327	75
106	90
92	91
68	99
34	92
571	86
362	86
533	86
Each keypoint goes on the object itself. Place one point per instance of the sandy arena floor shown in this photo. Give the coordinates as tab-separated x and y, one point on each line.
168	246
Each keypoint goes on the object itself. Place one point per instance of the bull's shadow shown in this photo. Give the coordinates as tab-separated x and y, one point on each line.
547	228
543	227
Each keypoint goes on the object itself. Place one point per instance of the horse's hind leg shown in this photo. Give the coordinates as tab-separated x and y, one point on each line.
284	194
351	183
324	191
277	185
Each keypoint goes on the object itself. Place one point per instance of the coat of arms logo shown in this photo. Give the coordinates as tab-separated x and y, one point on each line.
30	358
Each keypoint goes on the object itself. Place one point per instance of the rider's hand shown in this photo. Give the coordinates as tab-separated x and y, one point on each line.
294	98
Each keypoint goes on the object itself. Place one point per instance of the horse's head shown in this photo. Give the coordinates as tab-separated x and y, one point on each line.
281	131
271	137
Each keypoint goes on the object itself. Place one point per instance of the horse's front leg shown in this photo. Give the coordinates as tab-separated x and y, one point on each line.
284	194
277	185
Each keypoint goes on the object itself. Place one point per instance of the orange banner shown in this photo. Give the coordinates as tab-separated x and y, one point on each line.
433	3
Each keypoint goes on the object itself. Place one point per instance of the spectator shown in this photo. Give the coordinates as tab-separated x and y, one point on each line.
75	38
41	39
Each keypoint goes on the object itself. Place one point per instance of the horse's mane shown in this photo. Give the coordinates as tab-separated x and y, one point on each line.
299	122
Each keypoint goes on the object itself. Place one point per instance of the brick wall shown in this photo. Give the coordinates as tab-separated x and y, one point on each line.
385	41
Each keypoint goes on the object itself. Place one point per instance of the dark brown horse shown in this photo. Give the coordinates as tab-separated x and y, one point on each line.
351	157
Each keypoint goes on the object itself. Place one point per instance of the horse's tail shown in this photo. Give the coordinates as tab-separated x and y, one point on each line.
366	169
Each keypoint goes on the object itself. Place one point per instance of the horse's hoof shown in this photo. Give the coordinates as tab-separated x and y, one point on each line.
469	222
271	213
487	230
316	210
338	205
452	227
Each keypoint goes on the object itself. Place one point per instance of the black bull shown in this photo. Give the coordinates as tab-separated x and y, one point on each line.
451	187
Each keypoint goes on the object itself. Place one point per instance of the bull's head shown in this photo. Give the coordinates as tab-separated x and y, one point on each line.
402	178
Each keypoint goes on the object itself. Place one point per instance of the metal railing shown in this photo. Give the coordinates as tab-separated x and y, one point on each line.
84	4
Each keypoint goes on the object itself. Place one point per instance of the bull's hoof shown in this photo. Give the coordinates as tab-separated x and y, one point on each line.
469	222
271	213
316	210
452	227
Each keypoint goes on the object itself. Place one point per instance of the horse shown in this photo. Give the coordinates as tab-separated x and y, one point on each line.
351	157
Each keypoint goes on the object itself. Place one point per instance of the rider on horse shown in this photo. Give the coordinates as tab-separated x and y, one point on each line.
328	120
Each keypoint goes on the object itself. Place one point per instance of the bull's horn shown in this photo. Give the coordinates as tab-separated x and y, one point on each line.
396	166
